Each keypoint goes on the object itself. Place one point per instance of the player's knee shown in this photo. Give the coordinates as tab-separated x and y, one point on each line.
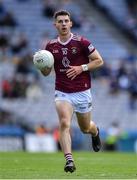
64	124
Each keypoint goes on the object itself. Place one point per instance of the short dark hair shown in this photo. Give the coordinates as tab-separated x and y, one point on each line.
61	13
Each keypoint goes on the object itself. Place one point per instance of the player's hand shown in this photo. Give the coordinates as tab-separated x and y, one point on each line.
73	71
45	71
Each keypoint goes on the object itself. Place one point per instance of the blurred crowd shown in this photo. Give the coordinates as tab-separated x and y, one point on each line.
121	77
121	13
132	18
25	81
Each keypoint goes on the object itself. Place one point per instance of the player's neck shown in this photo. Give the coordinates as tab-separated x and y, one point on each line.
65	38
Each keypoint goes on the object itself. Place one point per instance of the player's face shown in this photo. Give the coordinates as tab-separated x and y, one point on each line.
63	25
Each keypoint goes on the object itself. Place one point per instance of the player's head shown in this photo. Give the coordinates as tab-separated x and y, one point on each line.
61	13
62	21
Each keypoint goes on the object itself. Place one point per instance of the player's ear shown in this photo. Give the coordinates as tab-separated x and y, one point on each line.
54	24
71	23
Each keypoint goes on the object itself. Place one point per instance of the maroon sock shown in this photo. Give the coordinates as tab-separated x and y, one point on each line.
68	157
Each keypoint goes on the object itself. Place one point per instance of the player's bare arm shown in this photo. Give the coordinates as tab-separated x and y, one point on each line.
73	71
95	62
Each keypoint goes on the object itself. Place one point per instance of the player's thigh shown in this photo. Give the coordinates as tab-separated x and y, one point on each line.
64	110
84	120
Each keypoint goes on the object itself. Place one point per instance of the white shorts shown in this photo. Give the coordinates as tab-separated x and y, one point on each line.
81	101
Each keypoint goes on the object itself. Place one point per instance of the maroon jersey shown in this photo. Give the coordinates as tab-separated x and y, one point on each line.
74	52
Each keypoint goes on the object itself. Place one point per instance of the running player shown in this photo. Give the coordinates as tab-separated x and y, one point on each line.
75	57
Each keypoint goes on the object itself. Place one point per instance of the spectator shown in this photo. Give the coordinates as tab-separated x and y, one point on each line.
24	64
133	92
34	91
48	8
2	10
8	20
6	88
4	43
113	86
103	73
22	67
132	6
76	15
56	136
5	116
113	134
19	43
122	76
41	129
19	85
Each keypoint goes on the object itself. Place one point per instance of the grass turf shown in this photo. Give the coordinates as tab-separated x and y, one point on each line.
21	165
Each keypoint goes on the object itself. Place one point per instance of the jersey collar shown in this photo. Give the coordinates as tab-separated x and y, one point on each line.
64	43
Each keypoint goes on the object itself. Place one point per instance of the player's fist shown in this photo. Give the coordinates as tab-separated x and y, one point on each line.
46	71
73	71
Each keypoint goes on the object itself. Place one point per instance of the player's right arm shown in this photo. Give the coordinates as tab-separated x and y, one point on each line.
46	71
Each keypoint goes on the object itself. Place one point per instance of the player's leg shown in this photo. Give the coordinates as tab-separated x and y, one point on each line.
65	112
88	126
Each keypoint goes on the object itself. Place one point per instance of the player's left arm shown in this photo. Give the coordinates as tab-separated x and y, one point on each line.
95	61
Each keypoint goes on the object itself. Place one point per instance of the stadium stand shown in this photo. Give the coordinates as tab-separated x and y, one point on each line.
33	24
122	13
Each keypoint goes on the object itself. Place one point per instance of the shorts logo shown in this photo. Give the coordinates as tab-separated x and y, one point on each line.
89	105
59	95
84	107
63	95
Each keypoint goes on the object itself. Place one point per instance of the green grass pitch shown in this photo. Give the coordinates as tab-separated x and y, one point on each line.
90	165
